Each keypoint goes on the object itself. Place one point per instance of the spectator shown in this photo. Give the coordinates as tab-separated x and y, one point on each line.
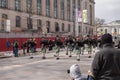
15	48
8	44
106	63
75	73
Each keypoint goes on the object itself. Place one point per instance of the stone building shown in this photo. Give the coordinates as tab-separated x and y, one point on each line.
46	16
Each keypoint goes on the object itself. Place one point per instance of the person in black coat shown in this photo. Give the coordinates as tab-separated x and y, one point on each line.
51	45
44	45
58	44
106	63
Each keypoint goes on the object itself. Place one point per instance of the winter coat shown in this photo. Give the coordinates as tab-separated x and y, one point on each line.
106	63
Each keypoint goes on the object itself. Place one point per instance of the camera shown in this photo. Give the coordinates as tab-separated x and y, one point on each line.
68	71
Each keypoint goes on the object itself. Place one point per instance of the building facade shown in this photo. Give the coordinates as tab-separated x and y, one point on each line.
113	28
46	16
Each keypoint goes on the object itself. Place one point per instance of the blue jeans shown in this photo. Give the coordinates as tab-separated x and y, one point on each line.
15	51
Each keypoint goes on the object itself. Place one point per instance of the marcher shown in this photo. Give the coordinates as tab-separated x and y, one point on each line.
51	45
70	44
58	44
66	45
106	63
44	45
77	49
88	41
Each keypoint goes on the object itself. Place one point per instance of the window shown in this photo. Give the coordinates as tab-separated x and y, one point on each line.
73	10
115	30
29	6
48	26
63	28
29	23
3	22
85	5
62	9
55	9
39	7
105	30
17	5
4	3
78	4
18	21
56	27
48	8
91	15
69	28
39	24
68	10
79	29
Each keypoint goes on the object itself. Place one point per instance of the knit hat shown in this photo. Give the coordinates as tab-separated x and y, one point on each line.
106	38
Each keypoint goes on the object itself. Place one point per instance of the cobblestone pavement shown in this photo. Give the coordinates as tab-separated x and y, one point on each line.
23	68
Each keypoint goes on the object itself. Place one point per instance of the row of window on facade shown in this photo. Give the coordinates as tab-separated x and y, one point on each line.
39	24
4	4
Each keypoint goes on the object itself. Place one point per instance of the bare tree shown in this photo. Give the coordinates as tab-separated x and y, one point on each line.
99	22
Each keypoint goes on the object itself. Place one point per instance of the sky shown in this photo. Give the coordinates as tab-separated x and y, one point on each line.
107	9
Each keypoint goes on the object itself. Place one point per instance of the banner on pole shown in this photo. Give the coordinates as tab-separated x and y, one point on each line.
79	16
84	16
8	26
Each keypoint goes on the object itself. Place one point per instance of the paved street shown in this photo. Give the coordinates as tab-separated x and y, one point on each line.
23	68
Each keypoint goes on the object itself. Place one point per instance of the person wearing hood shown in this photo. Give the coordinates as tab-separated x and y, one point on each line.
75	73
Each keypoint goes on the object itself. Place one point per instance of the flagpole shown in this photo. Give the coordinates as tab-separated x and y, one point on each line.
76	21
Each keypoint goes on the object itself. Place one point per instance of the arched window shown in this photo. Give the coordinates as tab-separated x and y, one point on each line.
18	21
3	22
48	26
56	27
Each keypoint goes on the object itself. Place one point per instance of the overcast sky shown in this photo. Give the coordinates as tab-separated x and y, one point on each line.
108	9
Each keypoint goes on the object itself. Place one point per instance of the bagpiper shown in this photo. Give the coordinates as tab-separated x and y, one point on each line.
44	45
78	47
70	45
58	44
89	45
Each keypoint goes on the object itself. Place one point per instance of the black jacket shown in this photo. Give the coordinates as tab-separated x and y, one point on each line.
106	64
